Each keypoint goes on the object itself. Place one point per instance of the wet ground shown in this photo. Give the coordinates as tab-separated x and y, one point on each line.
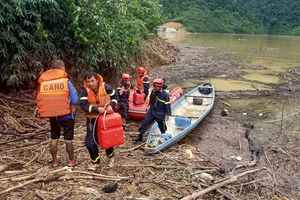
221	139
219	142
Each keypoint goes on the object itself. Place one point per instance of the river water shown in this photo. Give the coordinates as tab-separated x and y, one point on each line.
271	54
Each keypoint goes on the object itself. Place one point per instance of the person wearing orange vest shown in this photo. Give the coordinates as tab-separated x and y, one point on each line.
56	99
143	82
96	97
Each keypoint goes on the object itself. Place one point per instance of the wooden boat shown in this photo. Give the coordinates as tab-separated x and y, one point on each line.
187	112
138	111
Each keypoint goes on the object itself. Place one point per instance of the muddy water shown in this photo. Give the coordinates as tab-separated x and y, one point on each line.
261	57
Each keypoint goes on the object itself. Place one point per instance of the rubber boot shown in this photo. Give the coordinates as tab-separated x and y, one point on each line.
139	138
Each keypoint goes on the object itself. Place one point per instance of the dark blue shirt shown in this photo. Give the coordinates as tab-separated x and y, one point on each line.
146	86
126	93
160	103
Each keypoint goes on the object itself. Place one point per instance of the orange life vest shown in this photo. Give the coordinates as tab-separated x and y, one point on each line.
53	98
140	81
100	99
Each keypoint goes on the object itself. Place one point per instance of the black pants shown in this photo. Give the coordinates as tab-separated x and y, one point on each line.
123	109
150	118
66	125
91	142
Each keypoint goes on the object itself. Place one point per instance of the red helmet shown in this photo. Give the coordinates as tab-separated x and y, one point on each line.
158	82
141	70
125	77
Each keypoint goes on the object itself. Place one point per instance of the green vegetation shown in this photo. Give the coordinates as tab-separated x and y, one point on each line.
236	16
100	35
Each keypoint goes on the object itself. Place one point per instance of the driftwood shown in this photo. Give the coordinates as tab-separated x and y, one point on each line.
145	198
161	184
38	132
169	166
54	176
14	165
13	123
227	104
50	177
254	149
19	99
113	178
91	178
136	147
222	184
283	118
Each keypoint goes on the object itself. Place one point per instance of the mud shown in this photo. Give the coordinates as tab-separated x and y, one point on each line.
221	139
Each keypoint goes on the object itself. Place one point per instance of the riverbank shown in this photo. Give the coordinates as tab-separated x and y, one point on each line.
222	139
219	142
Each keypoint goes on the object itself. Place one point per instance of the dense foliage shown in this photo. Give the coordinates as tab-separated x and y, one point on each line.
99	35
236	16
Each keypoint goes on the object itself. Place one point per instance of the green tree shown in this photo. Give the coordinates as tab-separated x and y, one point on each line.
235	16
87	34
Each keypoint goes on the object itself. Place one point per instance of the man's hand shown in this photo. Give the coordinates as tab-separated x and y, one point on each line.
109	109
167	118
101	110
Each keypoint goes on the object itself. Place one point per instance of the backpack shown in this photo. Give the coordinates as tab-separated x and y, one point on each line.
206	89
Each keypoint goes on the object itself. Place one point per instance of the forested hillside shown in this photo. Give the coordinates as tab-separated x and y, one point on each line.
88	35
236	16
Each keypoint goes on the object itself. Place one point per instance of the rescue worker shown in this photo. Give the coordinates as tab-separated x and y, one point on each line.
56	100
96	97
143	82
124	92
159	111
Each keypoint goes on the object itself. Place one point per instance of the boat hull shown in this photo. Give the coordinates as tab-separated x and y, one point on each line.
187	112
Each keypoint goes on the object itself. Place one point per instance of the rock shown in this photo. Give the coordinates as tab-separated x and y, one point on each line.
110	188
188	154
250	126
224	112
206	176
239	158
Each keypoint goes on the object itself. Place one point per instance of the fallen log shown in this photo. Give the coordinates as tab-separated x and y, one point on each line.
219	185
169	167
26	136
50	177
